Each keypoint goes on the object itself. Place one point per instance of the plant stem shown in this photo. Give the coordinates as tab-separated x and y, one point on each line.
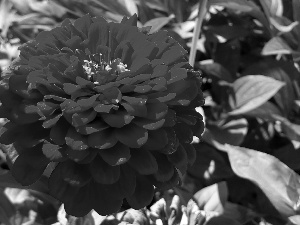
197	29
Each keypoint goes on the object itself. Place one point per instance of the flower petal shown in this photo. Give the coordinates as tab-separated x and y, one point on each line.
81	198
52	120
117	119
19	86
127	181
172	55
183	133
105	193
69	106
185	91
53	152
135	109
73	173
165	168
83	24
149	124
170	118
157	139
140	100
59	131
143	194
159	71
75	155
75	140
92	127
113	95
103	108
156	110
102	139
72	196
179	158
116	155
82	118
24	114
104	173
29	166
132	135
190	152
47	108
177	74
143	162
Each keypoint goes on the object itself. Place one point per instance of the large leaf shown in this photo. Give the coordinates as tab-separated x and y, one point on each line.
265	111
130	6
7	17
272	7
210	164
276	46
296	15
216	70
228	55
280	184
291	130
289	155
284	71
7	209
158	23
231	131
252	91
212	198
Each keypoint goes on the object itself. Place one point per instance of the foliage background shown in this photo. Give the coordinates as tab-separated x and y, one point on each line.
248	162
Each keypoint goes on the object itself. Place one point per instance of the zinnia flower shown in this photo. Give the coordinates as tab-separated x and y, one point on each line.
112	105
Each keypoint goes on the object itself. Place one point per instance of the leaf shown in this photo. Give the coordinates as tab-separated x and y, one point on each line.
252	91
184	29
244	6
296	15
276	46
130	6
228	54
212	198
280	184
113	7
291	130
133	216
157	23
294	220
288	155
7	209
265	111
238	212
217	70
217	220
48	8
210	164
227	32
284	71
230	131
7	17
277	23
273	7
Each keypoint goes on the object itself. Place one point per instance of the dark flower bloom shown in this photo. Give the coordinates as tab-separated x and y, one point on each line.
110	104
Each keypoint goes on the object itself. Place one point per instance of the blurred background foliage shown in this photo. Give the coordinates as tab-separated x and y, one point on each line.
247	167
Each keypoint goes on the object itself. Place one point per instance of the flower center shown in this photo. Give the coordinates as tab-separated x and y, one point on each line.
100	70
